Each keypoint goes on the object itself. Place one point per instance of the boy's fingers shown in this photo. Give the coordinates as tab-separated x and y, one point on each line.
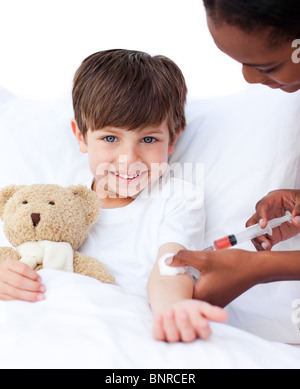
158	331
187	332
199	325
203	329
23	269
23	283
214	313
19	282
11	293
4	297
171	331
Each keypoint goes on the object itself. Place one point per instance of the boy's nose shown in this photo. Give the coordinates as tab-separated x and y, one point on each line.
35	217
130	155
253	76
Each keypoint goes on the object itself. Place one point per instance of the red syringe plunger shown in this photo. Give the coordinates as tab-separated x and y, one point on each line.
225	243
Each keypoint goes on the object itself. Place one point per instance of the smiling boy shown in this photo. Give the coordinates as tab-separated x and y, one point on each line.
123	162
129	111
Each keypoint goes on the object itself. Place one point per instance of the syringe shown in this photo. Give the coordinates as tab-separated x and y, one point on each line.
249	233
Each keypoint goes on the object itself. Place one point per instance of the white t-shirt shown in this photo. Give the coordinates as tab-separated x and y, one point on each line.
127	239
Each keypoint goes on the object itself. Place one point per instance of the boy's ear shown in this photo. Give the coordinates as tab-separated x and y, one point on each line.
79	137
171	146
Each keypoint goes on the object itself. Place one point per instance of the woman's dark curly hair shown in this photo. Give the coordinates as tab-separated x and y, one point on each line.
280	17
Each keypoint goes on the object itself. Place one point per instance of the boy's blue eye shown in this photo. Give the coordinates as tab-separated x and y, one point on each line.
148	139
110	138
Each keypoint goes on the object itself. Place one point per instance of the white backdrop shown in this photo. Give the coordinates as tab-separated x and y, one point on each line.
43	42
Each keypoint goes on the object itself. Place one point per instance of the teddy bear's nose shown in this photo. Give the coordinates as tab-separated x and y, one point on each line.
35	217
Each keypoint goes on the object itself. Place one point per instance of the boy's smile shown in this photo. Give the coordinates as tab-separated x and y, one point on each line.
126	178
124	162
120	178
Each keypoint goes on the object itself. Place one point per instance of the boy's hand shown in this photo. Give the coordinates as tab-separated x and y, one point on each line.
274	205
19	282
186	321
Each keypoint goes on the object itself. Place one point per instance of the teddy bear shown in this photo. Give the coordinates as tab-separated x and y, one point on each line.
47	223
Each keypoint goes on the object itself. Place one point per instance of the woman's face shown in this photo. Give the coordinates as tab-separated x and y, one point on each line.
277	67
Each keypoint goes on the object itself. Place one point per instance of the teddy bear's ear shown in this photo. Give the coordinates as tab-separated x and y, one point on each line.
5	194
89	200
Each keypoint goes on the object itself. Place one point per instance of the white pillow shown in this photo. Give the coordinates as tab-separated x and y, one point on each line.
248	143
37	144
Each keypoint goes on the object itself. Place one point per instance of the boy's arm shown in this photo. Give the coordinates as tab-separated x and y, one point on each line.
166	290
177	317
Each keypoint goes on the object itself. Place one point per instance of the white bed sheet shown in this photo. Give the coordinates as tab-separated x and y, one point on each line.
87	324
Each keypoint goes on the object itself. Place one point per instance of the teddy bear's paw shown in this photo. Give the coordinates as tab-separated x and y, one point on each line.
89	266
8	253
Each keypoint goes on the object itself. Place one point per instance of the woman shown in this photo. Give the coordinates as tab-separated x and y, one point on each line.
264	36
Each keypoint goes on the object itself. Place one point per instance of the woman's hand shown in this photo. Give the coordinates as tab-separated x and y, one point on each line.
225	274
19	282
274	205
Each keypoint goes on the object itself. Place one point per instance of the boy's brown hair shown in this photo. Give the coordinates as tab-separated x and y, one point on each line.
129	89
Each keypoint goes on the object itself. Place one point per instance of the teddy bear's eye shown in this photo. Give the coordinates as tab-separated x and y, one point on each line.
25	202
51	203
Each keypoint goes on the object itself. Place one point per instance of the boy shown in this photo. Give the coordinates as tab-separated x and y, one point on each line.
129	111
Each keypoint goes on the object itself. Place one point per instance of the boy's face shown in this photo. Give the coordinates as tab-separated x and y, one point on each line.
124	162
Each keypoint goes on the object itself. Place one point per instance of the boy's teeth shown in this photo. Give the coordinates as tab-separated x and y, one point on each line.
126	176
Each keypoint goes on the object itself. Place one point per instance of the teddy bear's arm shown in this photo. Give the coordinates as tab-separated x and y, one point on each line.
8	253
89	266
